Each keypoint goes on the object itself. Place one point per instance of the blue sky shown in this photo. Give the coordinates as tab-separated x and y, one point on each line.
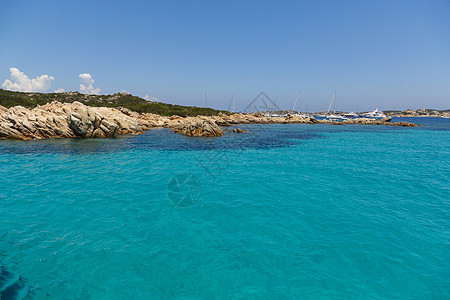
375	53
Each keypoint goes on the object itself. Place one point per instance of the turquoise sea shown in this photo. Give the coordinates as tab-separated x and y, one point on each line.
293	211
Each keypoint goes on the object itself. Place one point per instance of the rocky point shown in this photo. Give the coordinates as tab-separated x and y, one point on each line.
76	120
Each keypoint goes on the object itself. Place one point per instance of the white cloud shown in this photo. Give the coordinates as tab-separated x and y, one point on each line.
148	98
58	91
20	82
87	84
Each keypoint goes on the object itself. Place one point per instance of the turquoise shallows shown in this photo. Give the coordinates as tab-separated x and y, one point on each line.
286	212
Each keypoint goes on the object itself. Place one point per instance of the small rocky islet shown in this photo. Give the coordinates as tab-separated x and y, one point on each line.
76	120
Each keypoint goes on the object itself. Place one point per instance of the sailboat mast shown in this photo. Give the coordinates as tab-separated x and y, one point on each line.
233	103
296	105
334	105
329	107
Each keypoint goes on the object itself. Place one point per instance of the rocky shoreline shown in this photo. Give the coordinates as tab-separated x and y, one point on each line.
76	120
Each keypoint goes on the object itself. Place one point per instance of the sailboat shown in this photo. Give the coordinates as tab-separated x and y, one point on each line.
333	116
297	105
231	106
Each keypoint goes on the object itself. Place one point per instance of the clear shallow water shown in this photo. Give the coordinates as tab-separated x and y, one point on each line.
286	212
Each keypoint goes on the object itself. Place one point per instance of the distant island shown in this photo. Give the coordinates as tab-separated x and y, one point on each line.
418	113
108	116
31	100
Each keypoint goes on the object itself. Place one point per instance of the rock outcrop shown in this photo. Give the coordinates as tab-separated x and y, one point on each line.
57	120
299	119
239	130
76	120
199	127
384	121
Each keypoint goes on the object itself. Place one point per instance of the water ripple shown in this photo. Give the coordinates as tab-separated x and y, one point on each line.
288	212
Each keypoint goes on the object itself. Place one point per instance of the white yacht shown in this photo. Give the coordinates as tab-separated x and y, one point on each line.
336	118
351	115
301	115
374	114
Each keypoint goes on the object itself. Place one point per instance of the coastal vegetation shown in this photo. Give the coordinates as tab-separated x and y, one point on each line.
31	100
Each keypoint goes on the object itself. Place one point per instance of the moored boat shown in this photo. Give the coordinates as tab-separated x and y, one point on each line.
351	115
374	114
334	116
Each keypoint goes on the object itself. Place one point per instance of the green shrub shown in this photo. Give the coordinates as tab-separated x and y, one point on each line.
134	103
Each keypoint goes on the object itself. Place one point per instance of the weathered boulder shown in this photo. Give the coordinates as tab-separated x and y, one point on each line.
148	121
404	124
81	121
224	120
129	112
198	127
298	119
124	124
384	121
239	130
